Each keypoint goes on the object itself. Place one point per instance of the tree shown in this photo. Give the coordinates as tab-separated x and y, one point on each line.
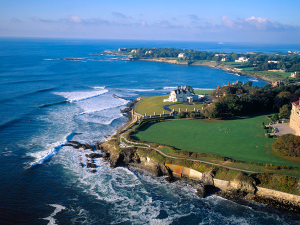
288	145
285	111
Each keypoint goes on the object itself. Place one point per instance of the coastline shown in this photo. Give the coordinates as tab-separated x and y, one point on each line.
241	191
211	64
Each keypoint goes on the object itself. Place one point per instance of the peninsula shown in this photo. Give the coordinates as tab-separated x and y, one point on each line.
270	67
217	142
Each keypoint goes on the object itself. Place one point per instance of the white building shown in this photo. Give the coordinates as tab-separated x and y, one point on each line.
148	52
271	61
182	55
242	59
181	95
134	50
296	74
224	59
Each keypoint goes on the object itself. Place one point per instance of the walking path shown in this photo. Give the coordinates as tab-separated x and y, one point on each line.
124	145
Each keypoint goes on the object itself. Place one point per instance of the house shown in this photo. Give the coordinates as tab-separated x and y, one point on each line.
295	117
148	52
296	74
272	61
182	55
181	94
242	59
277	83
122	49
224	59
134	51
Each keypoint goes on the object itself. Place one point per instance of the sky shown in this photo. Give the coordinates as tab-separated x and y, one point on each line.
254	21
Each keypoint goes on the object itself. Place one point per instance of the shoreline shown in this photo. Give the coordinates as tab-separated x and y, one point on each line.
239	191
211	64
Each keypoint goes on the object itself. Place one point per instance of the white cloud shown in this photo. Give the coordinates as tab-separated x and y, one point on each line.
75	19
255	23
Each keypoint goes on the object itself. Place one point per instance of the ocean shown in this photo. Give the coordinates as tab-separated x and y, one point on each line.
47	101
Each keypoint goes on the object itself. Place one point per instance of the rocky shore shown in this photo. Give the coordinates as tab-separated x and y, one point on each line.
243	192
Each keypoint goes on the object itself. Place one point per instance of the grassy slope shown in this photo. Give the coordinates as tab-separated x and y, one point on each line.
150	105
153	104
241	139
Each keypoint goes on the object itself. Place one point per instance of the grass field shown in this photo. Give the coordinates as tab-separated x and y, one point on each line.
155	104
202	92
150	105
281	74
183	107
241	139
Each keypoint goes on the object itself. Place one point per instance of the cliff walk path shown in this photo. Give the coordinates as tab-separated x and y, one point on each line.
124	143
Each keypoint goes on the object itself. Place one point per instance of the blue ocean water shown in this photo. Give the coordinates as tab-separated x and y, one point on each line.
47	101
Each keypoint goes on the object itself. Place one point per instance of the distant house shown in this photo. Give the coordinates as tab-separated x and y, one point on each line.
272	61
182	55
296	74
148	52
242	59
224	59
134	51
295	117
277	83
122	49
181	94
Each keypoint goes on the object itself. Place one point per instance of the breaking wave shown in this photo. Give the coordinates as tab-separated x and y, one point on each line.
43	156
77	96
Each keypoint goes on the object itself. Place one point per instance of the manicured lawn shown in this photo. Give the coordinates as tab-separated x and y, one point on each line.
155	104
281	74
241	139
248	68
183	107
202	92
232	63
150	105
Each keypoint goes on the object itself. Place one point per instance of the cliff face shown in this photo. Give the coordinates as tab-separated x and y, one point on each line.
205	183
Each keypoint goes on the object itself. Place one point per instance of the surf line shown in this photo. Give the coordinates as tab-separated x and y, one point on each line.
53	151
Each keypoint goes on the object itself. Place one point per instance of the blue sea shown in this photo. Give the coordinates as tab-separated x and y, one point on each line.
47	101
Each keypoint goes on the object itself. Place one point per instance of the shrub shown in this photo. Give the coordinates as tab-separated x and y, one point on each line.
268	136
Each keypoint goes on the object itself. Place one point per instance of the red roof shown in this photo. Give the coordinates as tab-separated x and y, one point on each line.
296	102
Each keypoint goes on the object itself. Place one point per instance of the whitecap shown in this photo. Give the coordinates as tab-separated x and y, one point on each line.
58	208
169	87
76	96
42	156
99	87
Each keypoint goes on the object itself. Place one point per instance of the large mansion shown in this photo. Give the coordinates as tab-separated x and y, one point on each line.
181	94
295	117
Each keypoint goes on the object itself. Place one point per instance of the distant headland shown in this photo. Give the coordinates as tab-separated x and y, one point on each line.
270	67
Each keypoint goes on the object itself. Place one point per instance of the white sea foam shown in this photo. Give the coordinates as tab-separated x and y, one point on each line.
136	90
58	208
99	87
170	87
100	103
77	96
42	156
106	116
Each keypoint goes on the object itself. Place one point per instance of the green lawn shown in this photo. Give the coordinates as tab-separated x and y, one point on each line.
241	139
155	104
248	68
183	107
202	92
281	74
150	105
